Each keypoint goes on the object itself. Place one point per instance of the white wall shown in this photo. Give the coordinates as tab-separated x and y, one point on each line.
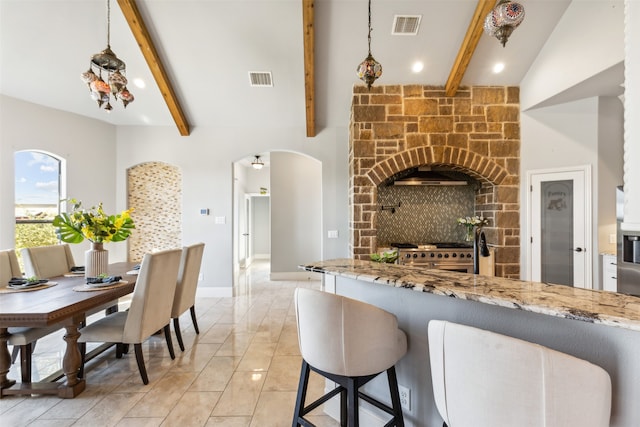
261	226
570	57
206	158
87	145
296	213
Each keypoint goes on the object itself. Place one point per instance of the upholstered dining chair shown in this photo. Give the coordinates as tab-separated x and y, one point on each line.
349	342
185	296
481	378
149	311
45	262
22	339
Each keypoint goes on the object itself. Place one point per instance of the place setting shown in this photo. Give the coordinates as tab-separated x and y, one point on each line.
100	283
75	271
24	284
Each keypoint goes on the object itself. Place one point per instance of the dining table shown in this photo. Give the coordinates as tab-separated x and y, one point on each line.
64	301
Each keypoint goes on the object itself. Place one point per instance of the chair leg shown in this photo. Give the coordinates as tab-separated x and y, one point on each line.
193	319
119	350
302	393
25	362
167	337
140	359
176	327
352	404
15	353
395	397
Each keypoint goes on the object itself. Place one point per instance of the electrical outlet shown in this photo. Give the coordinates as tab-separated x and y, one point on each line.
405	397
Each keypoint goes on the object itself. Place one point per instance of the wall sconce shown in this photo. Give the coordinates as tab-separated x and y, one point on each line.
257	163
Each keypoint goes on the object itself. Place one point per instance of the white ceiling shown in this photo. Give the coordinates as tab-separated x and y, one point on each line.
209	46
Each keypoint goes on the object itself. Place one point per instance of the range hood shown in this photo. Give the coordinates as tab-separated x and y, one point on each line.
426	176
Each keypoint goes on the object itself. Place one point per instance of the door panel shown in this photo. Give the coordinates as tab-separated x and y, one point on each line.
560	228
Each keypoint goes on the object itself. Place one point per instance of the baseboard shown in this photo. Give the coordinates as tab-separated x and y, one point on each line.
214	292
296	276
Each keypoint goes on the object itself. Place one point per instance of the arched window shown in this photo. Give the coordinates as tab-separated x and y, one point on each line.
37	198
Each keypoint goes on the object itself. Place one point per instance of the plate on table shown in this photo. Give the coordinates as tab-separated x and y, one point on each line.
27	285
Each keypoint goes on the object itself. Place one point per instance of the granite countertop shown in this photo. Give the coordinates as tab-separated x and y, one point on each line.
602	307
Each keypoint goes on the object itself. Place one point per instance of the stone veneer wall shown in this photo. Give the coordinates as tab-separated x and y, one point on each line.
154	191
394	128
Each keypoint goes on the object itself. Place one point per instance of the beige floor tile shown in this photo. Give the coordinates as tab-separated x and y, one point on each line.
194	358
161	399
52	423
241	394
274	409
216	375
229	422
236	344
110	410
283	374
140	422
193	409
27	410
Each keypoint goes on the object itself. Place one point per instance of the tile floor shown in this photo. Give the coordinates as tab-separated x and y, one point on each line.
240	371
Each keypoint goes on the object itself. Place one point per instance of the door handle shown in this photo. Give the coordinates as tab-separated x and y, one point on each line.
579	250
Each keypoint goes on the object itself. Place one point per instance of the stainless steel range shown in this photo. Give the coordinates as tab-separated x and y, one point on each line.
441	256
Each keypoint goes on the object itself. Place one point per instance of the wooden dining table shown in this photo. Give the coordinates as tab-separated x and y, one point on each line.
57	304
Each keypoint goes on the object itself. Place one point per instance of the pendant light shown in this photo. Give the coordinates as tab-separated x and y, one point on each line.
503	19
257	163
106	75
369	70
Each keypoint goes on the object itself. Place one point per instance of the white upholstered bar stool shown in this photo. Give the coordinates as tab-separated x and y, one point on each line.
22	339
348	342
185	297
481	379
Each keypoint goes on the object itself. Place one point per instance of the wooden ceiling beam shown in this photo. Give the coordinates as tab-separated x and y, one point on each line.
468	47
139	30
309	65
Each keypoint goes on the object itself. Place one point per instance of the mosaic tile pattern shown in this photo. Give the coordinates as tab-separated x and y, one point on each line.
154	191
425	214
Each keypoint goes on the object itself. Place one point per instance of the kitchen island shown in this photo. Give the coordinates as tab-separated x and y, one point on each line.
598	326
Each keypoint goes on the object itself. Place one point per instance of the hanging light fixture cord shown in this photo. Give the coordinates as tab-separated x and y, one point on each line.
369	35
108	23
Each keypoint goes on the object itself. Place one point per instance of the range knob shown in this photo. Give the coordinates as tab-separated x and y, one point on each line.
407	256
461	255
422	255
454	255
439	255
415	255
446	255
432	255
468	255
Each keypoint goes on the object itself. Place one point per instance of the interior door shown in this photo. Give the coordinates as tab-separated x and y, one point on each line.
560	219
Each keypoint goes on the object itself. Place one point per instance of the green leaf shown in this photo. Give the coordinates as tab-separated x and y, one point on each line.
65	229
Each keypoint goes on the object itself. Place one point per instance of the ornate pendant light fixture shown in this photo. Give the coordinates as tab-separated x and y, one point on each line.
369	69
503	19
257	163
105	76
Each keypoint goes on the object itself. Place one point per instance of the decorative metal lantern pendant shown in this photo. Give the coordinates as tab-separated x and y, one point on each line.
369	70
503	19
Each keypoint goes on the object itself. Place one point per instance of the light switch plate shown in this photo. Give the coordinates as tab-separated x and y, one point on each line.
220	220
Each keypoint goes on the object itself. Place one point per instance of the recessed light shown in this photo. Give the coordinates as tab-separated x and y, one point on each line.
417	66
139	83
498	67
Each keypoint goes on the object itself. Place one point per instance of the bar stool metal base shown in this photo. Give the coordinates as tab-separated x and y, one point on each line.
349	395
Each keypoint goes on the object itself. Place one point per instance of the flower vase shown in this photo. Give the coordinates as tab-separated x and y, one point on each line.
470	235
96	260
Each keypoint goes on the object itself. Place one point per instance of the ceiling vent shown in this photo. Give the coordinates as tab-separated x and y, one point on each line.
260	79
406	25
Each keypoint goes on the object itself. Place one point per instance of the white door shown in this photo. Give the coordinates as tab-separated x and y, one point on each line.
560	226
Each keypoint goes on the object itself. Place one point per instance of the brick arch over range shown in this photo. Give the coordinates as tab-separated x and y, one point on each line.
480	167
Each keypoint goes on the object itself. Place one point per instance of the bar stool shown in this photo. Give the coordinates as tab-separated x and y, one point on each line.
482	378
348	342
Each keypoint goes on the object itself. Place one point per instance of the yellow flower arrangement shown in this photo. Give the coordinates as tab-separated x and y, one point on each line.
92	224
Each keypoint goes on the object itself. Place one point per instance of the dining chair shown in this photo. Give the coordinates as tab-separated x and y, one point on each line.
47	261
481	378
350	343
23	339
185	296
149	311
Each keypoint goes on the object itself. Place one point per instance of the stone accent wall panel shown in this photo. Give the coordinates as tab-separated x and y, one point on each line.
154	191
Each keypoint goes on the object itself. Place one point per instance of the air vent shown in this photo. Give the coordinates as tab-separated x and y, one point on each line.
260	79
406	25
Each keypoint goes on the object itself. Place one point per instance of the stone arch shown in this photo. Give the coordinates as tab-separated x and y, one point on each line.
154	191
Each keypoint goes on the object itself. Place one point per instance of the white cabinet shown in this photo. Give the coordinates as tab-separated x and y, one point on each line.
609	273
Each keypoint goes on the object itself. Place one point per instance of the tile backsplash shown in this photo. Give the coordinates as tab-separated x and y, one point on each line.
426	213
